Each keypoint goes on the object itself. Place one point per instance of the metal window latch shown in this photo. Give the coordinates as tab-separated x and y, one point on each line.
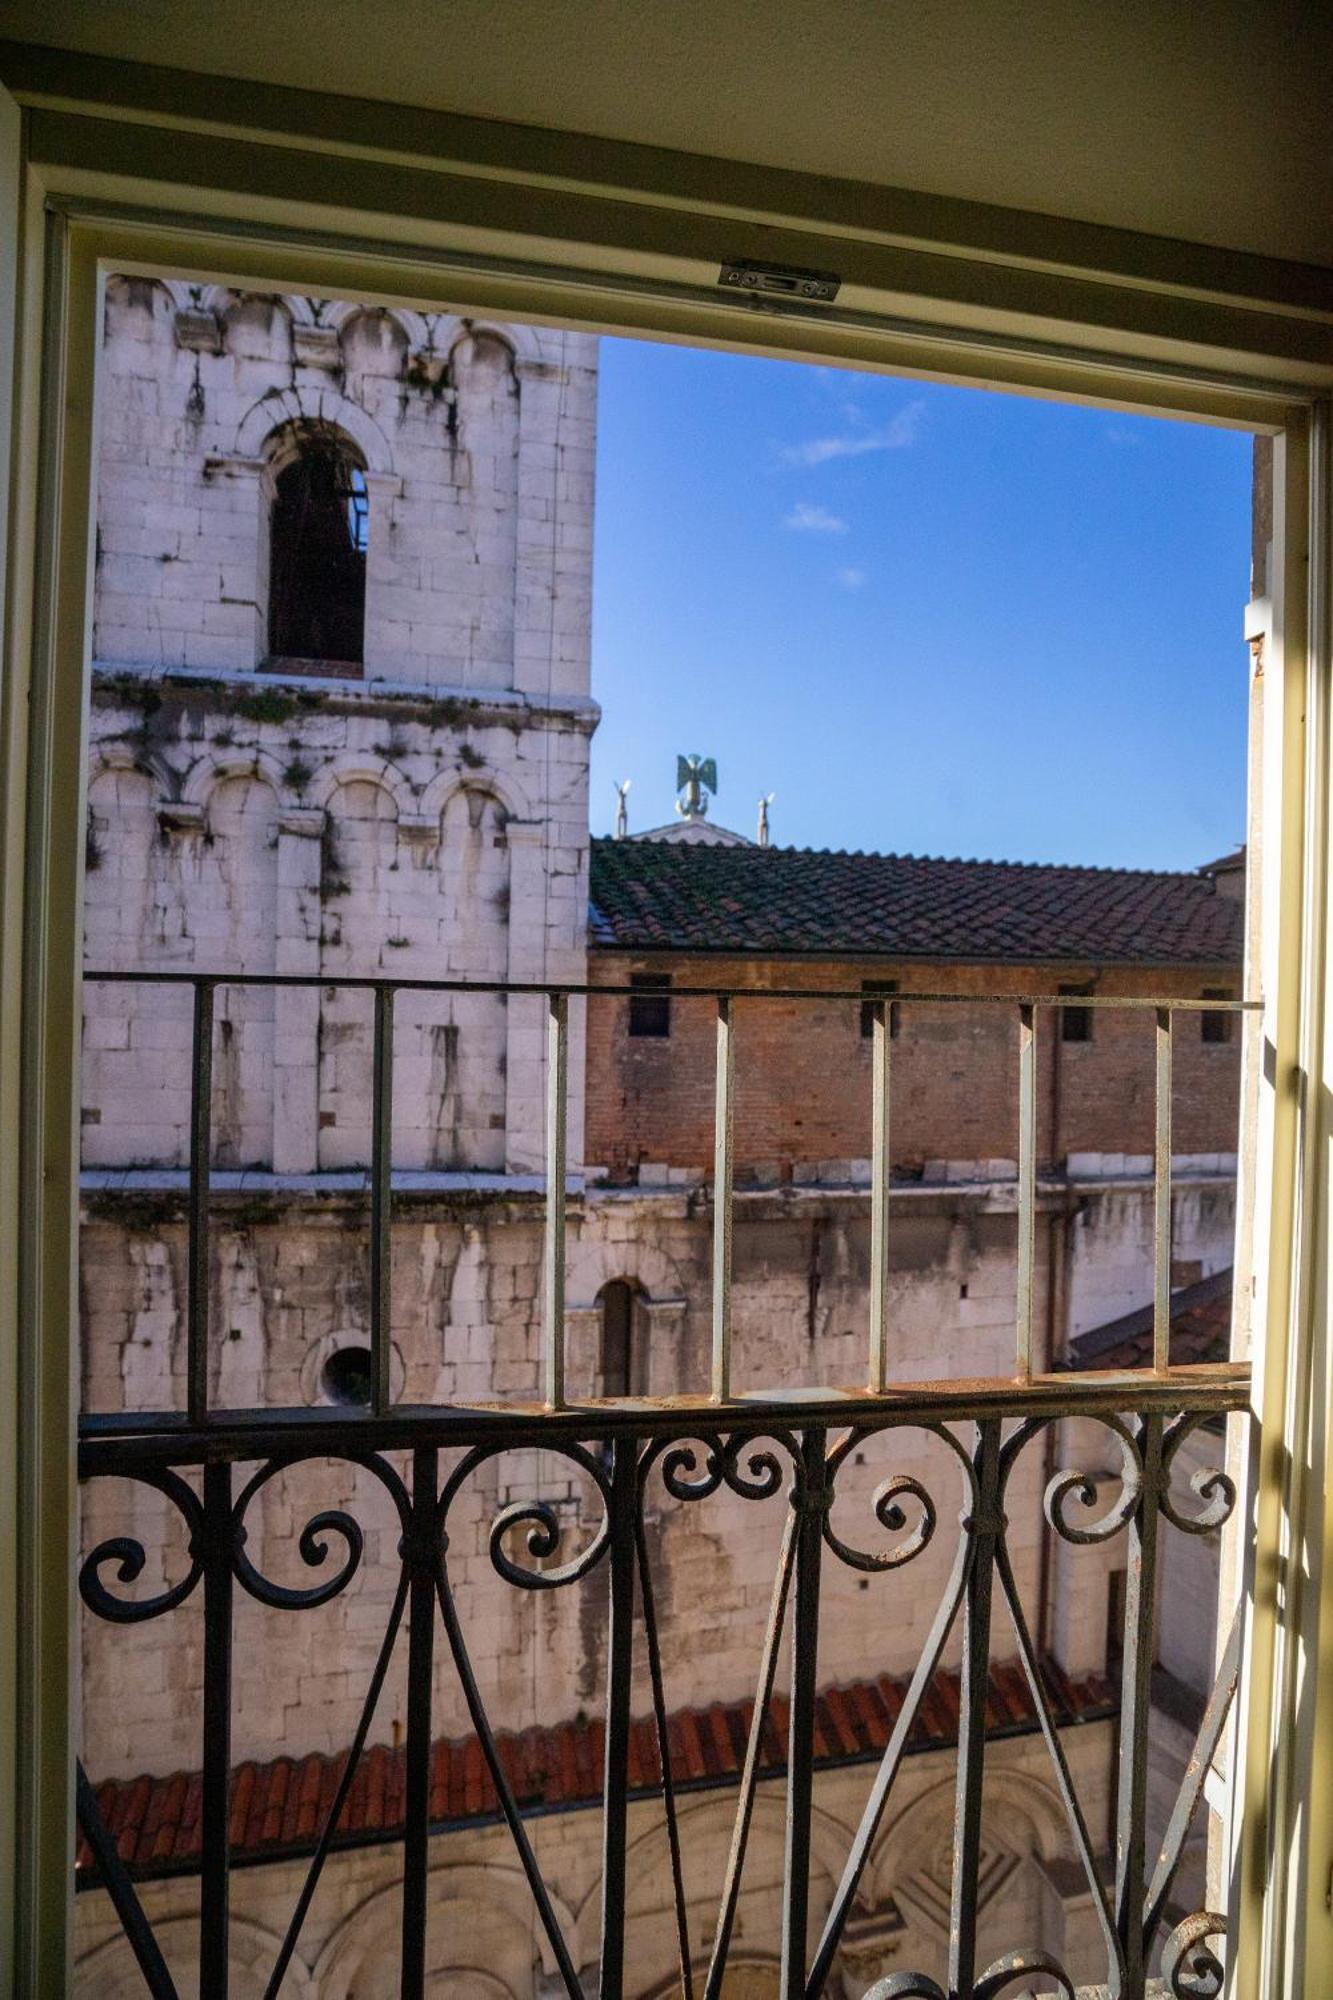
784	281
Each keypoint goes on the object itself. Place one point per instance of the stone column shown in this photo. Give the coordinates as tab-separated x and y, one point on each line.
296	1009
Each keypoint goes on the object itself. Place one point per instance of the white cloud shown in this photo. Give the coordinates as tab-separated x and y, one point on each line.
850	579
808	519
897	435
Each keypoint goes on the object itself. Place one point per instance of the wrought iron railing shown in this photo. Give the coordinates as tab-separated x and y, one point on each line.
785	1449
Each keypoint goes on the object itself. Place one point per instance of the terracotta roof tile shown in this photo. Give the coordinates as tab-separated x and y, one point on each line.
279	1808
1200	1331
650	896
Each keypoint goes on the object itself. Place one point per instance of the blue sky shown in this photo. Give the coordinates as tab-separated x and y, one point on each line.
931	620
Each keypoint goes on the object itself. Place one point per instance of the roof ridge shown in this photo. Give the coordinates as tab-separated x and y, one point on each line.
697	849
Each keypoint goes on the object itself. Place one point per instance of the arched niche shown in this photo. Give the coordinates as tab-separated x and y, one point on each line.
359	873
452	1047
256	326
485	1938
138	309
233	901
373	342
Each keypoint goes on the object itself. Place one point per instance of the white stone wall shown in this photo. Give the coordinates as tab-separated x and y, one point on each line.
484	1942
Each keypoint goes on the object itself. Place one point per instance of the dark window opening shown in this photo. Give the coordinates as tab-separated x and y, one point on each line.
318	533
885	986
345	1377
1075	1022
650	1004
1216	1028
618	1357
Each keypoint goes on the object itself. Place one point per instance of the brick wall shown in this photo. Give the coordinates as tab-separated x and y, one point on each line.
803	1070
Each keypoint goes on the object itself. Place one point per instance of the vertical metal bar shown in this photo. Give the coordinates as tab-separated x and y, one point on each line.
723	1170
201	1122
811	1499
1161	1298
420	1552
381	1200
1027	1182
879	1198
215	1809
619	1669
984	1528
1135	1688
121	1892
553	1285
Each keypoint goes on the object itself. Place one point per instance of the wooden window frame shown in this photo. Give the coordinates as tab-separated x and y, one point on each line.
257	186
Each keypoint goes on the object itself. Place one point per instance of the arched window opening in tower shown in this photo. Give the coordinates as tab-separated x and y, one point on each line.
319	533
621	1365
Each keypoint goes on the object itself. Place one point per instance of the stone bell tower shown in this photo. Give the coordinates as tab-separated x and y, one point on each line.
340	719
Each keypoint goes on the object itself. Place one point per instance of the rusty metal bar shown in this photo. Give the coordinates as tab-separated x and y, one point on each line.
381	1201
723	1172
1161	1298
1027	1183
553	1249
519	987
880	1170
201	1149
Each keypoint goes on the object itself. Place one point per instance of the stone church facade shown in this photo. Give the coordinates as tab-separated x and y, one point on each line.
383	773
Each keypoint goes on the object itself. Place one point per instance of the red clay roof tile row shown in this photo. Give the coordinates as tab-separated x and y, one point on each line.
280	1808
650	896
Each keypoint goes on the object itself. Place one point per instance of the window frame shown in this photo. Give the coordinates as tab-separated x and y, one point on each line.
649	1002
1173	329
876	990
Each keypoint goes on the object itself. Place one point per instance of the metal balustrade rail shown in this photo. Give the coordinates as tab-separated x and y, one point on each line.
785	1450
1024	1009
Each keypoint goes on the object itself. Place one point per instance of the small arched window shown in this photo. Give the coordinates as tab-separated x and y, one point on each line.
623	1361
318	534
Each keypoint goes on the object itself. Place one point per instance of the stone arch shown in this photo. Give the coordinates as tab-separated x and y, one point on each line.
133	291
505	786
256	326
355	770
110	1971
370	1935
215	767
292	408
334	314
108	757
374	342
705	1828
1016	1803
524	342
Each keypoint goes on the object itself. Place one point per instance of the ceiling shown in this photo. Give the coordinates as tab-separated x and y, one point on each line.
1210	122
